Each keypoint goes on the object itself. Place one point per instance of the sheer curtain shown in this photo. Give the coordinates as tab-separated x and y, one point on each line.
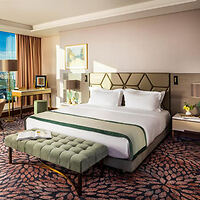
29	61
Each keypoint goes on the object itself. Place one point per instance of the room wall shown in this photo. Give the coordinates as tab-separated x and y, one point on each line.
168	43
49	63
182	92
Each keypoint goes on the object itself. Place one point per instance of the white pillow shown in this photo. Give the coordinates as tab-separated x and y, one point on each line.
142	100
103	97
162	93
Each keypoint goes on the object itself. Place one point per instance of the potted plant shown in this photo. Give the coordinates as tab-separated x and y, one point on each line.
188	107
198	107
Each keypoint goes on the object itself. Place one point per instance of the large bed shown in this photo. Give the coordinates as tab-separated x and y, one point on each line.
129	134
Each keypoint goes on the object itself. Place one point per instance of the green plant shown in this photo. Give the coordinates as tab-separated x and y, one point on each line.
198	105
188	106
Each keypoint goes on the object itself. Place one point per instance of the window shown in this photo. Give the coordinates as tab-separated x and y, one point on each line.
7	52
7	46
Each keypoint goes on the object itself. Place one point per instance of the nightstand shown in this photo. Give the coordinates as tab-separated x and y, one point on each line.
183	123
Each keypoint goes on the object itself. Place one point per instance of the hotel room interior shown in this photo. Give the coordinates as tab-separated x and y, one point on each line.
100	99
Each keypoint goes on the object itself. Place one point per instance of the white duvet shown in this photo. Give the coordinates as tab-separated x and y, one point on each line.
153	122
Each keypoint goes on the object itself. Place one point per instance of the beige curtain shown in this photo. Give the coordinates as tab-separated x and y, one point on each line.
29	61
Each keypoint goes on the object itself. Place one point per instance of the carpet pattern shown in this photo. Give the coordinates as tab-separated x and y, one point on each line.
172	171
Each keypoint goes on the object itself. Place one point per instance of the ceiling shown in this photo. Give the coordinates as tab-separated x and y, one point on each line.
34	12
47	17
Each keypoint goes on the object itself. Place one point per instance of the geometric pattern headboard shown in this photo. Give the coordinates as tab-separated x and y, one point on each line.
139	81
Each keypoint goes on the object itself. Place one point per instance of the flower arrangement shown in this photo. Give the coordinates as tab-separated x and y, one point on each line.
74	100
73	97
188	107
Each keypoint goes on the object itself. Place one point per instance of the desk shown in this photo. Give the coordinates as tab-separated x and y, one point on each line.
29	92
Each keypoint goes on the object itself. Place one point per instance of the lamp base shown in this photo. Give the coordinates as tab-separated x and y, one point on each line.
70	101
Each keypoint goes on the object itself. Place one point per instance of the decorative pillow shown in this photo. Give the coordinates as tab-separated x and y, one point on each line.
142	100
162	93
103	97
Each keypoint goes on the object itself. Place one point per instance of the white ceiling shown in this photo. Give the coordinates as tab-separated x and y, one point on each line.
46	17
34	12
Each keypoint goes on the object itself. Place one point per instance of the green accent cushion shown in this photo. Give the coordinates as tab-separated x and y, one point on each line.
72	153
40	106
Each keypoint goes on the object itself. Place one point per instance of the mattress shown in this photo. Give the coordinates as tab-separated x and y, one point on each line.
153	123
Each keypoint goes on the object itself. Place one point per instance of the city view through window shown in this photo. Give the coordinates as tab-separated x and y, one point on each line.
7	52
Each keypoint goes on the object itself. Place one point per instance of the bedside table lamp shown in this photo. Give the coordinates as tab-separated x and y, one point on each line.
72	85
8	66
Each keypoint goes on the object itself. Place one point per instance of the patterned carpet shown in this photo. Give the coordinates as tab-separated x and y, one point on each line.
172	171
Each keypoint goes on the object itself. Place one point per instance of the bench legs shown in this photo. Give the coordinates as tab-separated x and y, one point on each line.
79	186
10	155
79	182
101	168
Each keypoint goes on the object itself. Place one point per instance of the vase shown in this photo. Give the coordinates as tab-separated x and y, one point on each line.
188	113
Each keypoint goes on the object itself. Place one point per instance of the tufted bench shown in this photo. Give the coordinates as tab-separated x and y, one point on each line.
72	153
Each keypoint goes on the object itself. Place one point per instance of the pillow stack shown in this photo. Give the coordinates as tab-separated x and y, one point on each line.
144	100
103	97
135	99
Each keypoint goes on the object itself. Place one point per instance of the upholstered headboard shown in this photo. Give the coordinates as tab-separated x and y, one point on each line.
140	81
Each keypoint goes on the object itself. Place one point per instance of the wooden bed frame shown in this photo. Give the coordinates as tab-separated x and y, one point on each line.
140	81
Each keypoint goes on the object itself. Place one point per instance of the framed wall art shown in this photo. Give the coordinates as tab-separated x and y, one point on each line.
76	56
40	81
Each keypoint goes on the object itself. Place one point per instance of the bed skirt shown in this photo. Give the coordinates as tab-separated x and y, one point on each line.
131	165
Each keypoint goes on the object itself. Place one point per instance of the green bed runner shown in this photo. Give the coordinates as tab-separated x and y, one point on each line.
133	133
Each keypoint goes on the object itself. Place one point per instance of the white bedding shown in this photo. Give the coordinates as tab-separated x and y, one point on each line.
153	122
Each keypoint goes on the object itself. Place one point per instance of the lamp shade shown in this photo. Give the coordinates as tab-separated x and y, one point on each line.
196	90
73	84
8	65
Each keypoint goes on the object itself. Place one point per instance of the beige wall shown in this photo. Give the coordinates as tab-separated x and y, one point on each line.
168	43
49	63
182	92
